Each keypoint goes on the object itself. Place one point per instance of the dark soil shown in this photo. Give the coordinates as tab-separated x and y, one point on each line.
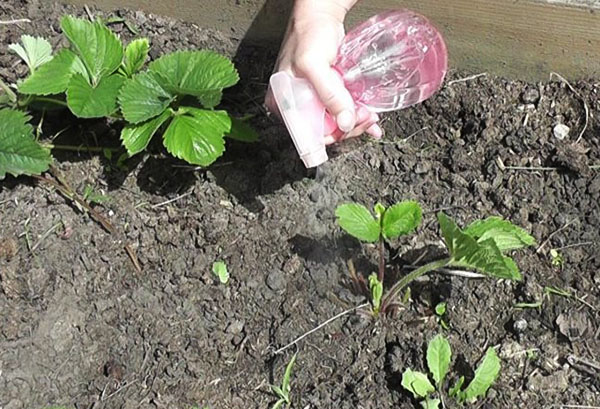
81	327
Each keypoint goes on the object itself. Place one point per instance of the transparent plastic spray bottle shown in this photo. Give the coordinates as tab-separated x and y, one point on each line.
391	61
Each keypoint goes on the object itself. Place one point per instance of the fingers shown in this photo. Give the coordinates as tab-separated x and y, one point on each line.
331	90
366	123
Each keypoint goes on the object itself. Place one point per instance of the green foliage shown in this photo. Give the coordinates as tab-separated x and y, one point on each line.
506	235
143	98
430	403
86	101
219	269
401	219
196	135
376	288
483	255
53	77
197	73
283	392
192	134
440	309
357	221
439	355
34	51
398	220
136	54
417	383
135	138
98	47
485	375
20	154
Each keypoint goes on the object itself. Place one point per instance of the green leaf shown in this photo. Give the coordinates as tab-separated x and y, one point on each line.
136	54
417	383
438	358
86	101
376	288
379	211
277	391
278	404
99	48
197	135
455	390
485	375
430	404
53	77
241	131
483	256
440	309
135	137
35	51
142	98
195	73
287	378
358	222
210	99
401	219
219	268
506	235
20	154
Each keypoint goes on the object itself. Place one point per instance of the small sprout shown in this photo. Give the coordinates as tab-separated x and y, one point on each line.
557	258
91	196
283	392
440	309
219	269
376	288
439	356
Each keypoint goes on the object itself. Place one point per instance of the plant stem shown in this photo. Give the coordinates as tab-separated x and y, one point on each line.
410	277
381	274
50	101
75	148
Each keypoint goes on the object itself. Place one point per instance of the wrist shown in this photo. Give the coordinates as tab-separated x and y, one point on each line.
309	9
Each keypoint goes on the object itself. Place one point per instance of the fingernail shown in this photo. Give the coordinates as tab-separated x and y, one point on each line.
345	121
375	131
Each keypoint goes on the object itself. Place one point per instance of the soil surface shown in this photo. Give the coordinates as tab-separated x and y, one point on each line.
80	326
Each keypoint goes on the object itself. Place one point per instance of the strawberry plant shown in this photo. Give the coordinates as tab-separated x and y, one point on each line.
482	246
97	76
439	356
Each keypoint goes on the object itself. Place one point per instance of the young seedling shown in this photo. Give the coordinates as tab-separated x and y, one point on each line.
219	269
283	392
482	246
439	356
440	312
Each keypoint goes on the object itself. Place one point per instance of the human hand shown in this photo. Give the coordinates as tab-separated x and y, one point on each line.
309	49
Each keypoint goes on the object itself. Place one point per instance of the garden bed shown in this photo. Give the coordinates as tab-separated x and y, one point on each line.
80	326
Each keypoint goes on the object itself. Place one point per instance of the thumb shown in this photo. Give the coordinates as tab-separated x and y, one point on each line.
333	94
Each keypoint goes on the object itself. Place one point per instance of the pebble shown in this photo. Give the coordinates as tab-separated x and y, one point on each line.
276	280
530	96
561	131
520	325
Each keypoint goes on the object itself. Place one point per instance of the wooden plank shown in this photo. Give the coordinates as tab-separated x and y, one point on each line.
524	39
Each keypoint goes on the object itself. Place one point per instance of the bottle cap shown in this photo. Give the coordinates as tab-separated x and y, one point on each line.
303	115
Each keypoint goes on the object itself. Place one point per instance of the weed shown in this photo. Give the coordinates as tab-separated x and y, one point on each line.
283	392
481	246
219	269
439	356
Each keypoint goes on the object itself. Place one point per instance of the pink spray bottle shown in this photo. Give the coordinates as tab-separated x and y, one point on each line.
391	61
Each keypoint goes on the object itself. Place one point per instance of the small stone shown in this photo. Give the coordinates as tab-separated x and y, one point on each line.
520	325
422	167
235	327
561	131
276	280
530	96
